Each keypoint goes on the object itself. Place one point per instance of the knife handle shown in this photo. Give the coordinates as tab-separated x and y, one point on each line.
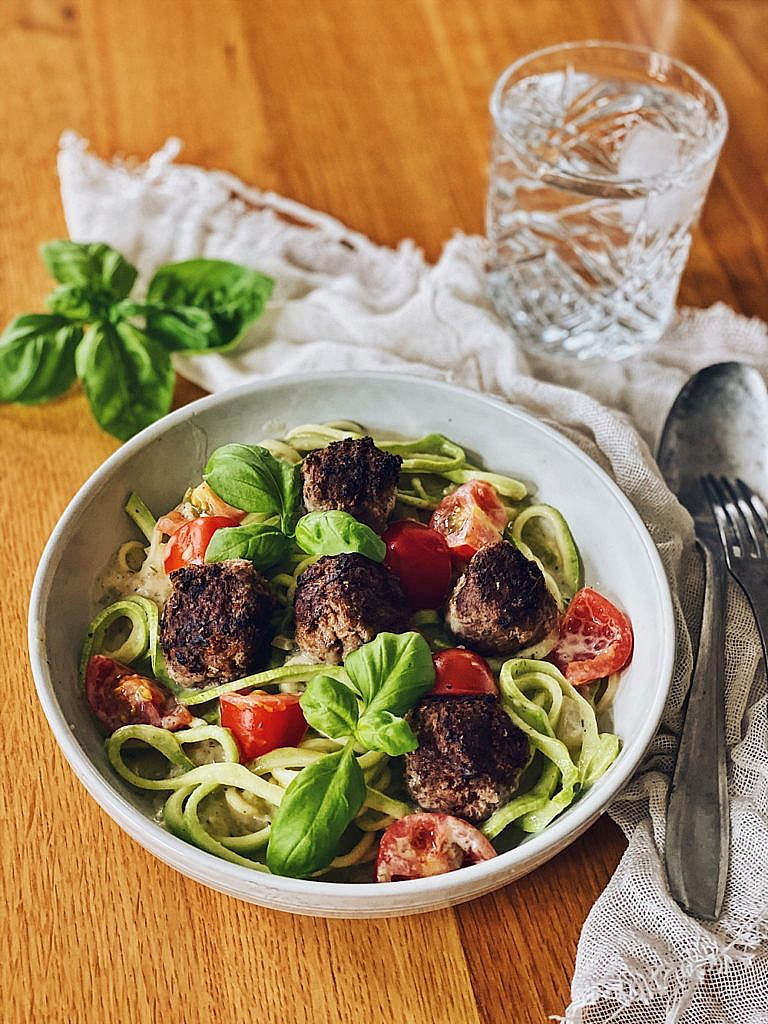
698	824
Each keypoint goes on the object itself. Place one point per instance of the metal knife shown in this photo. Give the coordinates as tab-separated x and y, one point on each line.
718	424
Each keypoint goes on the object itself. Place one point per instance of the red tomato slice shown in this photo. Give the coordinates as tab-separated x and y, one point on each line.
421	845
119	696
470	518
595	639
462	673
187	546
261	721
421	559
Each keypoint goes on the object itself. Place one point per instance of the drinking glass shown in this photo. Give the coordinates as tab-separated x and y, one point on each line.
602	156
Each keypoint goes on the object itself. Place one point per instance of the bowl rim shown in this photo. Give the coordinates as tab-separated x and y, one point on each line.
234	878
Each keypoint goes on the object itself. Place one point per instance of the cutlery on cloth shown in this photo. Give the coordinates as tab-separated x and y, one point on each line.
742	522
718	426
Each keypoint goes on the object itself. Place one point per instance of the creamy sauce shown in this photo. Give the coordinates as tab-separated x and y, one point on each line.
115	582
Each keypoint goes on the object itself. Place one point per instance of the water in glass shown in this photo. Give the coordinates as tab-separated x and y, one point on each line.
594	185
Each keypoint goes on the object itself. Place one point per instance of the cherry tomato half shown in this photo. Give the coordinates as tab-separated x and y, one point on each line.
470	518
119	696
421	559
463	673
188	544
595	638
421	845
261	721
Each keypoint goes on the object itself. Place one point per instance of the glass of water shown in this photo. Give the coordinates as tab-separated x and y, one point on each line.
602	156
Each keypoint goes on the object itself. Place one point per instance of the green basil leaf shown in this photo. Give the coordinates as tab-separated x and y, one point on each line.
37	357
182	328
330	707
317	807
392	671
252	479
93	266
234	296
127	377
265	546
381	730
335	532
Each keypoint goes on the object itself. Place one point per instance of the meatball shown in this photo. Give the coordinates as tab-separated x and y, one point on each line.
354	476
342	602
469	758
501	603
216	623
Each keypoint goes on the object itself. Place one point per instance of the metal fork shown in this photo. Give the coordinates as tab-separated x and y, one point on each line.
742	522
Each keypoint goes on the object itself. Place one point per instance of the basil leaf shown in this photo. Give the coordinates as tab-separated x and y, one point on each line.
183	328
317	807
392	671
330	707
127	377
335	532
252	479
381	730
93	266
264	545
234	296
37	357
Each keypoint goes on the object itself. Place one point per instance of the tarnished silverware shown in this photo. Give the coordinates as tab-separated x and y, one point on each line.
717	426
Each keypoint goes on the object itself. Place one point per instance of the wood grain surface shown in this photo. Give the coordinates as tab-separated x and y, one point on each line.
377	113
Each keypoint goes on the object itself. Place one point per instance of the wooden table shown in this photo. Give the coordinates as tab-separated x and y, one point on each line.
377	113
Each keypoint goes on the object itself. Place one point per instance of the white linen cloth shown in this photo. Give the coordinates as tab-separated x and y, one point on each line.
342	302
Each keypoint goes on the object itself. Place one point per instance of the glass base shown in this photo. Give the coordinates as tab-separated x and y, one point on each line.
601	338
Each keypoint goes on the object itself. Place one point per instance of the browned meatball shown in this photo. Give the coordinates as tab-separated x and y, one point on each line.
501	603
342	602
469	757
216	623
354	476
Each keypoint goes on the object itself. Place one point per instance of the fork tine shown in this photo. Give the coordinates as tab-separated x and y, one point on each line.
758	514
742	522
724	528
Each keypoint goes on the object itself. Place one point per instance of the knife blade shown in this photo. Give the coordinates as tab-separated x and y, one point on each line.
713	427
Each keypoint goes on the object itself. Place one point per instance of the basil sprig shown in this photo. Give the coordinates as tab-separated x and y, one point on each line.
384	679
119	348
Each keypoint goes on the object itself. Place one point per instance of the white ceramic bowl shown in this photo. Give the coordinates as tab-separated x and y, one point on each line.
619	558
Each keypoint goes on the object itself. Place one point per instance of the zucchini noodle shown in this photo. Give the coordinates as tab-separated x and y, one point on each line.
249	791
142	641
505	485
363	851
271	677
125	561
534	695
604	701
141	515
551	545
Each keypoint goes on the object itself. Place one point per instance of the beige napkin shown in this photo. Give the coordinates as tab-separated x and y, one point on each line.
343	302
